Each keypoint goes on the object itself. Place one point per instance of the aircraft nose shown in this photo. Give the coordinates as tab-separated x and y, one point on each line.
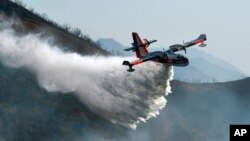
186	60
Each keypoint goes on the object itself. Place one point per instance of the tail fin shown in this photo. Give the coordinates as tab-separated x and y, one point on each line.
146	42
141	48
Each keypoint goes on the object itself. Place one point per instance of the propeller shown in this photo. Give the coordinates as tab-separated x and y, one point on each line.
184	47
184	50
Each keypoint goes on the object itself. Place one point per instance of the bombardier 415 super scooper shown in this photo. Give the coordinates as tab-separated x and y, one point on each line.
168	57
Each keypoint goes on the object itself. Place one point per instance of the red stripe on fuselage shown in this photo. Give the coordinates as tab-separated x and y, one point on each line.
137	62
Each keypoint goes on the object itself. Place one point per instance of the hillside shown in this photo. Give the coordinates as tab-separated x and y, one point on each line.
201	112
28	112
31	22
114	47
109	44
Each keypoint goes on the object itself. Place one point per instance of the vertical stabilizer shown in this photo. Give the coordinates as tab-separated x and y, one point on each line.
140	48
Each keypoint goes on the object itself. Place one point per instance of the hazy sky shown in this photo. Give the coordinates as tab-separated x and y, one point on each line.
226	22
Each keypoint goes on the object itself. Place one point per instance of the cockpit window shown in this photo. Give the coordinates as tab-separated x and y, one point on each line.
180	57
170	52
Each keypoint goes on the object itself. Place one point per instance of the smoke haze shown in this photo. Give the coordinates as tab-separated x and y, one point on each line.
101	83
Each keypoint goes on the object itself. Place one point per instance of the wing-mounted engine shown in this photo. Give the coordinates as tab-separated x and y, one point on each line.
177	47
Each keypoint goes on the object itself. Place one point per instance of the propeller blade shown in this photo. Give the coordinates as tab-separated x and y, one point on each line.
184	50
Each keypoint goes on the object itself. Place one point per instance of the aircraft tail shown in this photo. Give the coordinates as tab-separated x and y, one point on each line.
139	45
141	48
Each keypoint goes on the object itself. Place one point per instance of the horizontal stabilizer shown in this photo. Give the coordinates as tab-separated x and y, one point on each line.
130	48
147	43
152	41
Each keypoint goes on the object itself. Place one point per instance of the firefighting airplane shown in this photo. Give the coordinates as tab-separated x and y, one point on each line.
168	57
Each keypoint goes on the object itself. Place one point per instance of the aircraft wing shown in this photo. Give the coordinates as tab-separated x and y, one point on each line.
200	40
